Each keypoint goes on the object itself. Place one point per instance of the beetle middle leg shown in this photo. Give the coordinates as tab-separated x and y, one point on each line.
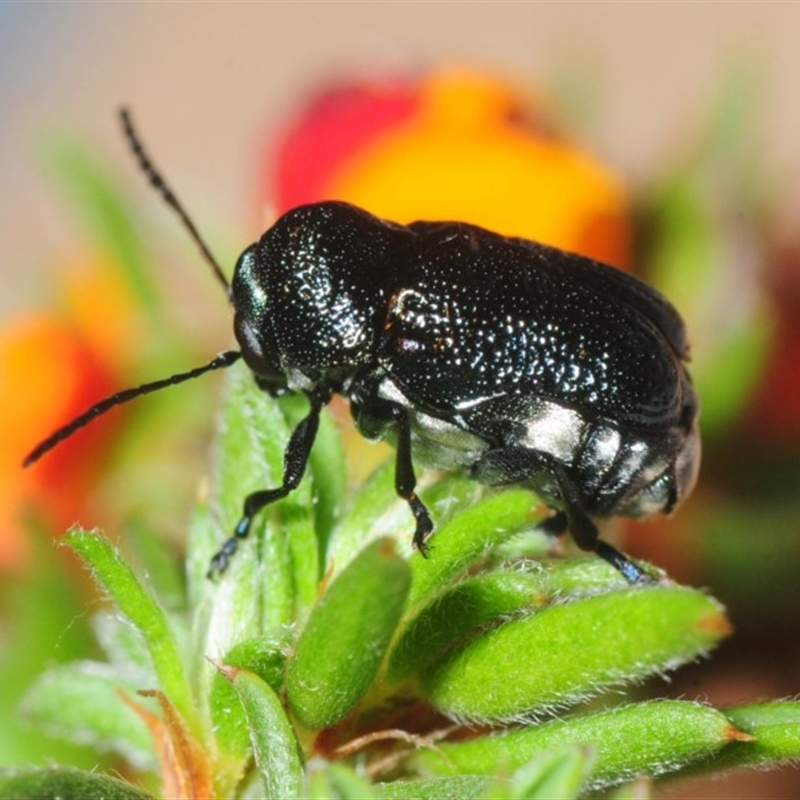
374	419
295	460
405	481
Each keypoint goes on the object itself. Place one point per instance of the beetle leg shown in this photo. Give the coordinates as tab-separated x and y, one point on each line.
586	535
295	459
405	481
555	525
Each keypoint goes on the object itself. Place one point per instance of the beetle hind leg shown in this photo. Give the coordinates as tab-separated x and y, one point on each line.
543	473
587	537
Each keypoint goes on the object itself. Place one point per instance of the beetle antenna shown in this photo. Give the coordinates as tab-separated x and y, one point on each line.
221	361
163	189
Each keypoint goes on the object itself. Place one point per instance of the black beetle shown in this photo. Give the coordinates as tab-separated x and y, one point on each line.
517	362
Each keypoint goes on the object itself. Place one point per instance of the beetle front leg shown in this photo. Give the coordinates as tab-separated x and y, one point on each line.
295	460
405	482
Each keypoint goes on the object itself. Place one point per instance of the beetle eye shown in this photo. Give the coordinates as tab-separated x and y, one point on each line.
253	352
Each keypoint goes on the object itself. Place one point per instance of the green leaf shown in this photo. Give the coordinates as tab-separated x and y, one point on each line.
556	774
580	648
461	610
202	541
458	612
377	511
275	746
125	648
265	659
66	784
341	782
771	736
81	702
652	738
464	787
117	579
343	643
469	535
575	577
153	556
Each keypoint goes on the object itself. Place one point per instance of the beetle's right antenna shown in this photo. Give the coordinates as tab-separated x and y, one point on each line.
161	187
222	361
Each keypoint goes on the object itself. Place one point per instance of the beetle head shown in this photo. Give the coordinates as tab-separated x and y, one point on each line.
311	295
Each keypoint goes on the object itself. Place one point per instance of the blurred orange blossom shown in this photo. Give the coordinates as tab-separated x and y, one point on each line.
456	144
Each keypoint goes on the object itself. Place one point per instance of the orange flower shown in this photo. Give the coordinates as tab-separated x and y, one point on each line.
455	145
51	369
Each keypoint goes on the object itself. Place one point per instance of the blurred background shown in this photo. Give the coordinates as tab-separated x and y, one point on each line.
661	138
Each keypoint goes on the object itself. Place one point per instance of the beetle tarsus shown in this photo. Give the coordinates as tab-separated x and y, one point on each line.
555	525
630	571
424	524
219	563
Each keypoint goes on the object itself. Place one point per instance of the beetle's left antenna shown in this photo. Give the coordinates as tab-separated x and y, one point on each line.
172	201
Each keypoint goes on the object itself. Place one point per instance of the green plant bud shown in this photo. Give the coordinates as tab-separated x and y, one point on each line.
567	652
343	643
263	658
772	731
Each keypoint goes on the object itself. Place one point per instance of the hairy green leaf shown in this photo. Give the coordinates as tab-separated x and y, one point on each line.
646	738
459	543
117	579
66	784
275	745
339	651
570	651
